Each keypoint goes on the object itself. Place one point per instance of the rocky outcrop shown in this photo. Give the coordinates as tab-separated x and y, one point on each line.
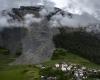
37	44
34	42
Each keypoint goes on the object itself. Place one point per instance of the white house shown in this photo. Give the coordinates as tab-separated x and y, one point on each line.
57	65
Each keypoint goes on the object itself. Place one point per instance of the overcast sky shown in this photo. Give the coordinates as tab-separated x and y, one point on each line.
91	8
76	6
79	6
5	4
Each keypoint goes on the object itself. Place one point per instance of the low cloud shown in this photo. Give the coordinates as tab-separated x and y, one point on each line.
75	21
30	18
80	6
84	12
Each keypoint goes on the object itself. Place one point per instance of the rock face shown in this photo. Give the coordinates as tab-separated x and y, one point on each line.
37	44
34	42
10	38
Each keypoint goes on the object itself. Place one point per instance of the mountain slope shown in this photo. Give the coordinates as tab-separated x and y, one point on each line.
35	41
80	43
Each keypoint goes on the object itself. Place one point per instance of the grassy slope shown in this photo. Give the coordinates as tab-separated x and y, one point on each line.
61	55
5	57
18	72
30	72
80	43
72	58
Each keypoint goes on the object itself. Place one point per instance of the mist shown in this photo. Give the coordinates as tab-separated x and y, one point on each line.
84	12
80	6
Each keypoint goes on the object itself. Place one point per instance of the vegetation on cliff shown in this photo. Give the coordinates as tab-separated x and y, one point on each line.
80	43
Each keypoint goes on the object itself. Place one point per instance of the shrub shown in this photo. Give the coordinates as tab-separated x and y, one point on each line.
81	43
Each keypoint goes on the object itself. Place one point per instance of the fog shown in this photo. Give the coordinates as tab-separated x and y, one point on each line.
84	11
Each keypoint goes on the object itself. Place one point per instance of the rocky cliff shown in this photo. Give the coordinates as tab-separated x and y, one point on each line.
34	42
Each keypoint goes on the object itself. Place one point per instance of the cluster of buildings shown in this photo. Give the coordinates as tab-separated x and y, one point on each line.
78	72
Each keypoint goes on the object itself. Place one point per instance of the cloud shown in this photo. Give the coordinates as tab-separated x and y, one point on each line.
74	6
7	4
30	18
80	6
85	11
48	7
7	21
75	21
4	21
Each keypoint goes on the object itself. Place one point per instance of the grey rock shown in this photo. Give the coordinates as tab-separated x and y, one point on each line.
34	42
37	44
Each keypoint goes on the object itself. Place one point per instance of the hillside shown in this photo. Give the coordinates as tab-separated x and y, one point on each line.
49	40
80	43
34	40
31	52
29	72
